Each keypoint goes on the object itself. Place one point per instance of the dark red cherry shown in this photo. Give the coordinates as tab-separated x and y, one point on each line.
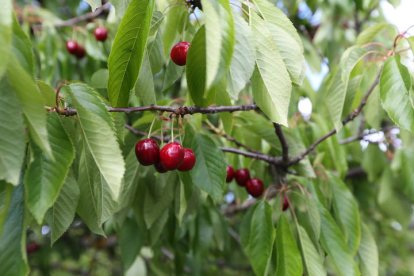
188	161
101	33
171	156
32	247
80	52
242	175
159	168
285	204
147	152
255	187
179	53
230	174
72	46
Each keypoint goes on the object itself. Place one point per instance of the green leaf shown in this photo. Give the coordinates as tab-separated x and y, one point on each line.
155	204
334	98
130	181
12	138
271	83
395	83
209	172
95	202
368	253
196	67
286	38
98	133
22	48
131	240
260	238
334	244
12	257
312	260
31	102
219	39
242	64
369	34
144	88
94	4
347	213
5	200
288	257
44	177
127	51
62	213
6	15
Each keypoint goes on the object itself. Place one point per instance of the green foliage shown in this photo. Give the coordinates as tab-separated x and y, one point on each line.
69	175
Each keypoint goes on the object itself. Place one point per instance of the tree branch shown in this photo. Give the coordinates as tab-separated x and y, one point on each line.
84	17
348	119
283	143
180	111
277	161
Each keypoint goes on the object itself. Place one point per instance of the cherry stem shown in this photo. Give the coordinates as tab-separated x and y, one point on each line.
150	130
172	130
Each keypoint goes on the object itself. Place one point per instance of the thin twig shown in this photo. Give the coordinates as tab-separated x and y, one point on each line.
348	119
283	143
180	111
84	17
277	161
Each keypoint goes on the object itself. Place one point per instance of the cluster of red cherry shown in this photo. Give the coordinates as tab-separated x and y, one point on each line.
254	186
172	156
76	49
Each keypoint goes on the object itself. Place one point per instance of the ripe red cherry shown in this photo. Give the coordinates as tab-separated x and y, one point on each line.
242	175
32	247
80	52
147	152
101	34
188	161
72	46
171	156
230	174
179	53
255	187
285	204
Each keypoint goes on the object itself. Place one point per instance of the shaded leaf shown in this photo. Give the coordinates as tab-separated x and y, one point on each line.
312	260
368	253
289	262
6	19
12	257
209	171
63	211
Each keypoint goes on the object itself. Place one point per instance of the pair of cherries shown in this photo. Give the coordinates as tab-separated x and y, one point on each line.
172	156
254	186
74	48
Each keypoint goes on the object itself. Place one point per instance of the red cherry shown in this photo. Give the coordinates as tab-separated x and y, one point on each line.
171	156
179	53
101	34
189	160
159	168
80	52
72	46
230	174
255	187
147	152
32	247
285	204
242	175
